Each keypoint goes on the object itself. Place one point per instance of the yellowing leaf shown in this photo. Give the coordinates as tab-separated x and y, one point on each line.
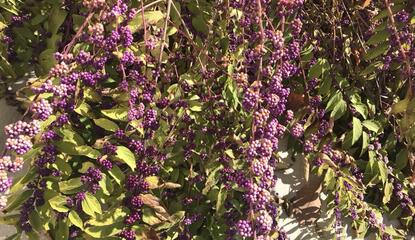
153	182
150	17
58	203
91	205
125	155
106	124
75	219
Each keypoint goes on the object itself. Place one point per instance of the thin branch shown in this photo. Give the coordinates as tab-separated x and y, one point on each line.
78	34
163	40
144	20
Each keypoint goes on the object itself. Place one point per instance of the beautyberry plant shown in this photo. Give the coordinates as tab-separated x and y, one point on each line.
170	119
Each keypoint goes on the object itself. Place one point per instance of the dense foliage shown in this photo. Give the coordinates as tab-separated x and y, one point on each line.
163	119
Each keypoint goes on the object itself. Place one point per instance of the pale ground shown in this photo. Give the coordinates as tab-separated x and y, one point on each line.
8	114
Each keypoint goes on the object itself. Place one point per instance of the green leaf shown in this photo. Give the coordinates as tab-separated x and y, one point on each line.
117	174
334	100
85	166
378	37
38	19
7	67
33	235
348	140
91	95
87	151
100	232
76	219
35	221
371	172
330	179
71	186
70	136
10	8
307	53
211	180
372	125
67	147
387	193
47	59
372	68
106	124
377	51
230	154
361	228
230	92
108	217
125	155
71	149
362	109
58	203
357	130
365	143
401	159
91	205
18	200
383	170
151	18
57	17
400	106
339	110
106	185
384	13
200	24
318	68
85	110
195	106
120	114
220	204
62	166
62	232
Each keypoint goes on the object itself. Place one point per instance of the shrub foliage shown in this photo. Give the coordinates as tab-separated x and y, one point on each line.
166	119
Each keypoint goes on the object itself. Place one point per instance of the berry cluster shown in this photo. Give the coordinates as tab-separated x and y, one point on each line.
91	179
42	109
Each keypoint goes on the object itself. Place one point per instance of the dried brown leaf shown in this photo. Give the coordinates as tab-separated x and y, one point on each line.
170	185
154	203
366	3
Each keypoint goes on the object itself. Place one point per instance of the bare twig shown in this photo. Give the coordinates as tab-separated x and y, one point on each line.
78	34
163	40
253	128
144	21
